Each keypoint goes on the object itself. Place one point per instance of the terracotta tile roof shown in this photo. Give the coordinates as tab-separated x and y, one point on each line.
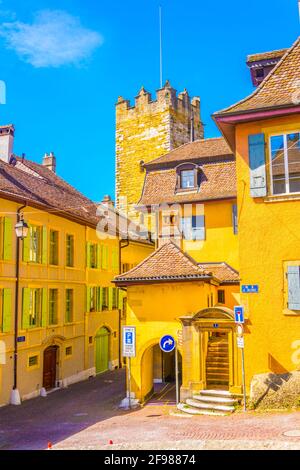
167	263
222	271
266	55
40	187
199	149
277	90
218	181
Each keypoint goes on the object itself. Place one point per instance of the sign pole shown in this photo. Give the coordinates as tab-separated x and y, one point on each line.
244	381
176	375
129	383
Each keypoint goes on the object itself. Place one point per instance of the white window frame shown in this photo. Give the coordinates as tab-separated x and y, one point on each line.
286	163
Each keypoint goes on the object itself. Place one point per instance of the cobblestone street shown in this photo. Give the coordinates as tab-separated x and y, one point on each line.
86	416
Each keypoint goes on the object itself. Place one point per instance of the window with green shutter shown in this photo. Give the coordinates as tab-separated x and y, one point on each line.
53	306
115	260
53	245
5	310
104	298
32	308
104	263
34	243
70	250
6	237
69	305
114	297
92	255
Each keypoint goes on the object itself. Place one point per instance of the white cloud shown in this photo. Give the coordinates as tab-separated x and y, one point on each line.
54	38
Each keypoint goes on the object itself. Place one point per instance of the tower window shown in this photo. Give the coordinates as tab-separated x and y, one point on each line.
187	179
260	73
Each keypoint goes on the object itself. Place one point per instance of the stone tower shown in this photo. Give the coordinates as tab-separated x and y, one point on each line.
148	130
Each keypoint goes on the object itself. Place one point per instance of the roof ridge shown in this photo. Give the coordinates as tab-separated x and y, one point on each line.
267	52
264	82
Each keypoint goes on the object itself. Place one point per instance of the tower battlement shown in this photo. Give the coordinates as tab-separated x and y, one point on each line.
166	97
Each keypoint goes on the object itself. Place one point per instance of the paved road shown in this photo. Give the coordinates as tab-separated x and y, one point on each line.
86	416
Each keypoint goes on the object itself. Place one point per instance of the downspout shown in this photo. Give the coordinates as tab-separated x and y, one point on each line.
15	398
120	310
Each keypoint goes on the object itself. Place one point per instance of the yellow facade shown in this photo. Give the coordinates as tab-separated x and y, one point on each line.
179	309
272	329
75	338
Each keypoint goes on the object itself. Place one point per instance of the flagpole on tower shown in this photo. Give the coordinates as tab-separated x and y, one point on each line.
160	47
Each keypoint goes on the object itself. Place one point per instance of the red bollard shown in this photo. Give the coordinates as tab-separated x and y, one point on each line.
49	446
110	441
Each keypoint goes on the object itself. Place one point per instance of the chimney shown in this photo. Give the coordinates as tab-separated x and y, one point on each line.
49	161
107	201
6	142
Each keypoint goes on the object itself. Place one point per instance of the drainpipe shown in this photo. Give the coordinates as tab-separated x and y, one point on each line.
15	394
120	310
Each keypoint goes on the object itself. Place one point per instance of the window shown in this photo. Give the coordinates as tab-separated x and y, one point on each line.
35	244
211	300
94	299
92	255
293	286
53	256
53	300
193	228
35	307
70	250
69	305
1	237
187	179
114	297
33	361
90	340
69	351
260	73
285	163
221	297
234	219
105	298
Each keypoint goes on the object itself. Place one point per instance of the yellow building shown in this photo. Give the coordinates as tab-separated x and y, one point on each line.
264	132
190	284
69	314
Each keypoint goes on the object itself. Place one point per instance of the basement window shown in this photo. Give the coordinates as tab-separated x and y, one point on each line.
221	297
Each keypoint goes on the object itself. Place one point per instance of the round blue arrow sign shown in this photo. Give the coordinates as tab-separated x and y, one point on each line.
167	343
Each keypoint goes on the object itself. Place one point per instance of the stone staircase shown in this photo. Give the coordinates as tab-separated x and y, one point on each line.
217	364
210	402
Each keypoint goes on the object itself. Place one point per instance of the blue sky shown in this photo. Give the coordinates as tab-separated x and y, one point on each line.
65	62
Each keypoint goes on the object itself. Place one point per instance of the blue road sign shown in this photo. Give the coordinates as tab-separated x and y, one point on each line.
167	343
239	314
250	289
21	339
129	337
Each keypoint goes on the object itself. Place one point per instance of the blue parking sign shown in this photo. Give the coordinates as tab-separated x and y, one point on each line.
239	314
128	337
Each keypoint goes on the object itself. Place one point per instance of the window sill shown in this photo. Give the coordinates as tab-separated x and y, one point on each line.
180	191
282	197
291	313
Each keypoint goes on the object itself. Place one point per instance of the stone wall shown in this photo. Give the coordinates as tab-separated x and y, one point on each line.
148	130
275	390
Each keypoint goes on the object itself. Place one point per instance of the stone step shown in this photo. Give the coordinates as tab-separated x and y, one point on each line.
209	406
213	399
194	411
216	382
216	354
217	375
216	393
219	368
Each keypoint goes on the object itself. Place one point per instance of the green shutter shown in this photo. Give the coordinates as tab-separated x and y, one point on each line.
115	260
104	257
7	310
44	306
7	239
26	247
98	257
25	308
98	297
44	245
257	163
88	255
110	298
121	295
88	298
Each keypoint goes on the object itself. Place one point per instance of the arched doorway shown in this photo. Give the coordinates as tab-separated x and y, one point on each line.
158	371
102	346
50	367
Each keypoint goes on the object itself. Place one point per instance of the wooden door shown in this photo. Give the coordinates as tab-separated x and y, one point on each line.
49	371
102	350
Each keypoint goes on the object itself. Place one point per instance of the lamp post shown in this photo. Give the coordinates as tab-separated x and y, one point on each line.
21	229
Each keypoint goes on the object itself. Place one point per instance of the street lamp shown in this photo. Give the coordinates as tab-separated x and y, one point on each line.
21	229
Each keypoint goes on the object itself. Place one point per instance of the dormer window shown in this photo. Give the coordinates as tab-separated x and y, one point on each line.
187	179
